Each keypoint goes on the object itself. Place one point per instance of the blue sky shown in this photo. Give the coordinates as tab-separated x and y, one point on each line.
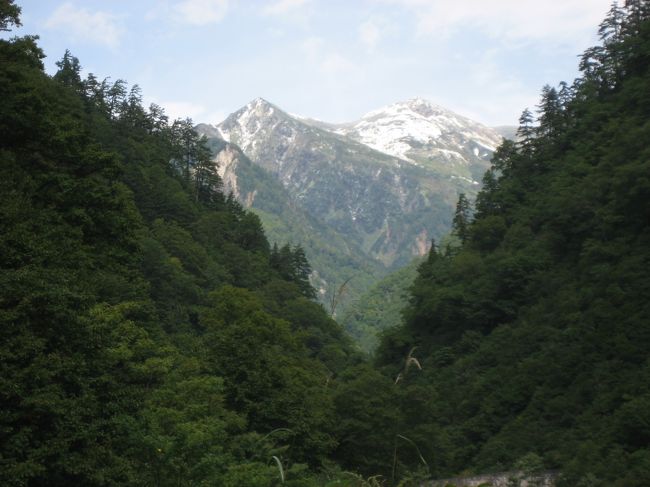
328	59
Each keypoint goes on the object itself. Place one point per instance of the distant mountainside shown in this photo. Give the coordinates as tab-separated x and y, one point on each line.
389	204
380	307
372	193
428	135
331	255
506	131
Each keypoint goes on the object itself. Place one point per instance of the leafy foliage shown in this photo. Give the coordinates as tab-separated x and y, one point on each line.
533	336
380	307
150	335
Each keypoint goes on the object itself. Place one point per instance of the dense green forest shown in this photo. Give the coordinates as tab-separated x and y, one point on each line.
150	335
380	307
533	337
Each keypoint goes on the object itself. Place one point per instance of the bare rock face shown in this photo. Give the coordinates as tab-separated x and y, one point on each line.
226	160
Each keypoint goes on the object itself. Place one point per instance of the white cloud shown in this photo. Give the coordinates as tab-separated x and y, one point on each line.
369	34
283	7
202	12
182	109
565	20
81	24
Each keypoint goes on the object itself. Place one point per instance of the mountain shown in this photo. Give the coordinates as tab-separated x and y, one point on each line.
388	204
333	258
507	131
427	135
362	198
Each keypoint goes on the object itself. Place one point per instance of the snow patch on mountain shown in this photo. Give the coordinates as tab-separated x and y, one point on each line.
406	127
244	126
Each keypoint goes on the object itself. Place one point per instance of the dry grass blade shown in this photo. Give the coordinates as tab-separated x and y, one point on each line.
410	360
279	464
413	360
416	448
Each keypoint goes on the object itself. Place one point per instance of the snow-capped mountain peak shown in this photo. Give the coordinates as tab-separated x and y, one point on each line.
405	127
246	126
375	198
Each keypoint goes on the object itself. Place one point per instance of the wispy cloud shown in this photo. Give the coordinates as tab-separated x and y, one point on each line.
202	12
81	24
283	7
508	19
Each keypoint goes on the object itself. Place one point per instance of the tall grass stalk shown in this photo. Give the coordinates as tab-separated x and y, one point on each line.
279	464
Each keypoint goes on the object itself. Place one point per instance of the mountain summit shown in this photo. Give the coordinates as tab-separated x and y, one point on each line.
250	123
387	183
423	133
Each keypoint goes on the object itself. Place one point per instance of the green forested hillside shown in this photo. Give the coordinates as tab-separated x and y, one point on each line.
533	338
335	258
149	334
380	307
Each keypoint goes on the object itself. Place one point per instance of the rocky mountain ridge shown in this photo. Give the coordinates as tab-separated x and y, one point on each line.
385	185
377	199
426	134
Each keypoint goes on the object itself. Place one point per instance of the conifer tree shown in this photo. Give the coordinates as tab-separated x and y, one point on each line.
526	132
9	15
461	221
184	140
69	72
485	200
207	183
549	110
115	98
432	256
302	271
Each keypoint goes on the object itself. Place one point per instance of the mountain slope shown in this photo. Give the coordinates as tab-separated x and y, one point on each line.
380	307
389	207
533	337
333	258
426	134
